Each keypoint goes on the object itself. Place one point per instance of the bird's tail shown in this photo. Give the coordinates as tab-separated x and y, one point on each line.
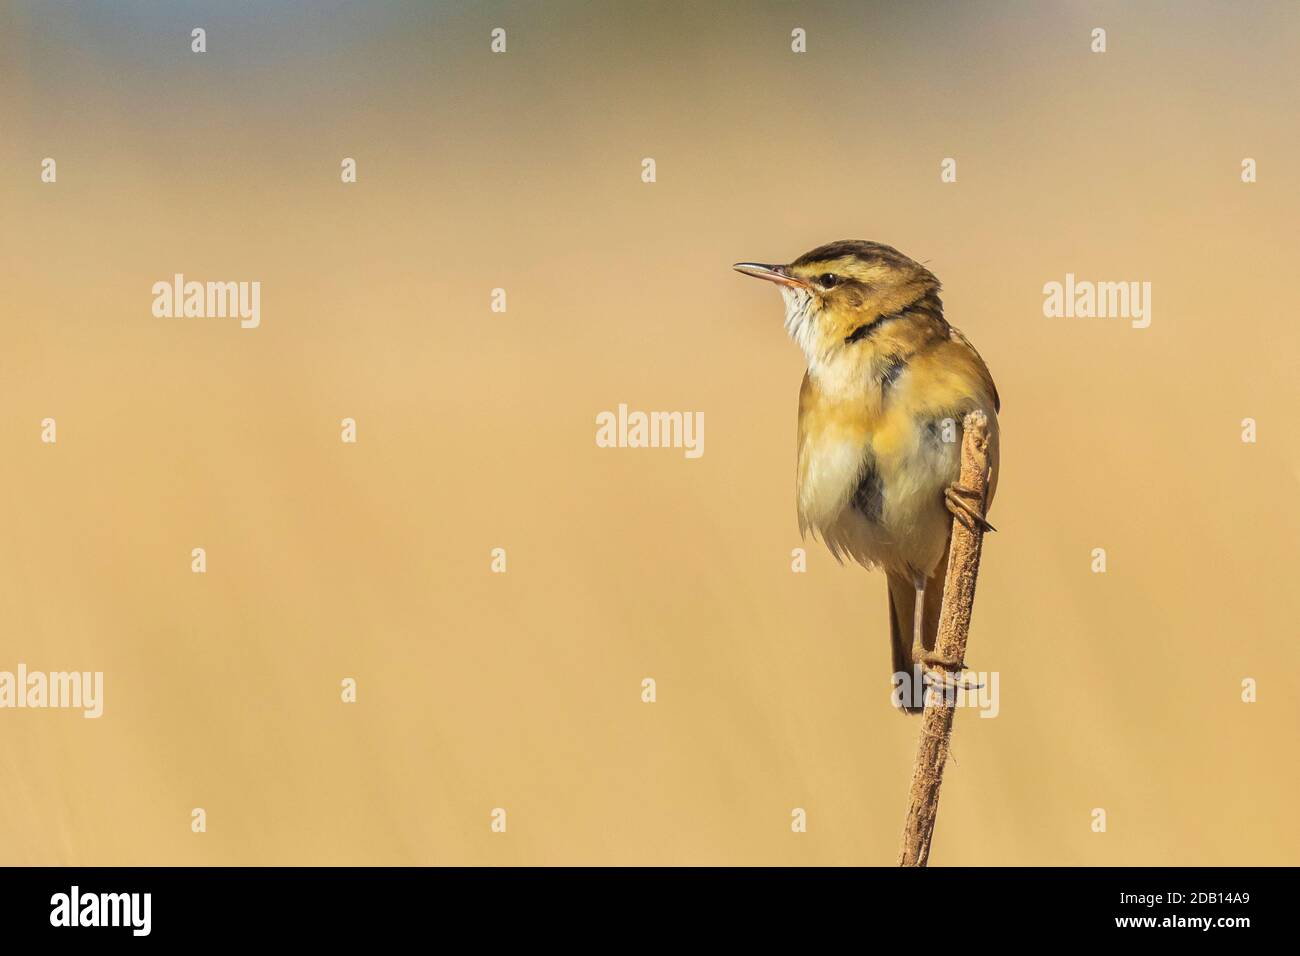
907	681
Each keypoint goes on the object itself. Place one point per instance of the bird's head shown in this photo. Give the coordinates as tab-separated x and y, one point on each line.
853	296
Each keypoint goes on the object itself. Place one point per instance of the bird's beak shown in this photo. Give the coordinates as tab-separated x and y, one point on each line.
778	274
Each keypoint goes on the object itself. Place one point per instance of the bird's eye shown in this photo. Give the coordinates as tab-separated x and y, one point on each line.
828	280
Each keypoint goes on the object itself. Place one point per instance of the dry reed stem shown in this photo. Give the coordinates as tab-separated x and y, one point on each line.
950	652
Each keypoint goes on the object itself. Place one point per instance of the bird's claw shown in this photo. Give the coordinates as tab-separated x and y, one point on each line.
942	673
970	515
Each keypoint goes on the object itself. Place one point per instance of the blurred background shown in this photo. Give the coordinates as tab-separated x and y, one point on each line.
521	170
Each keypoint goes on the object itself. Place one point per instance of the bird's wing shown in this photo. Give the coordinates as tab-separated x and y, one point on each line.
981	368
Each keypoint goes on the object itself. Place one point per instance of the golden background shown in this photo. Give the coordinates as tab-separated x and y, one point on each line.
476	430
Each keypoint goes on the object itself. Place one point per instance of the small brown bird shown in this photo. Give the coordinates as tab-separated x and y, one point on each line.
880	427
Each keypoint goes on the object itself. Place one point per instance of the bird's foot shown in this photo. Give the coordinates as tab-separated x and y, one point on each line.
966	505
944	674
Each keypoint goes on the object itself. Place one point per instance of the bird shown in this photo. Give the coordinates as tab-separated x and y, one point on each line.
887	385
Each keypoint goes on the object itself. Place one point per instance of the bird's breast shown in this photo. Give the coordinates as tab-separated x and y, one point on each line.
835	456
871	480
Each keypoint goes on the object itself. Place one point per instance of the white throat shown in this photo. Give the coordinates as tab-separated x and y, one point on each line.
800	318
832	366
